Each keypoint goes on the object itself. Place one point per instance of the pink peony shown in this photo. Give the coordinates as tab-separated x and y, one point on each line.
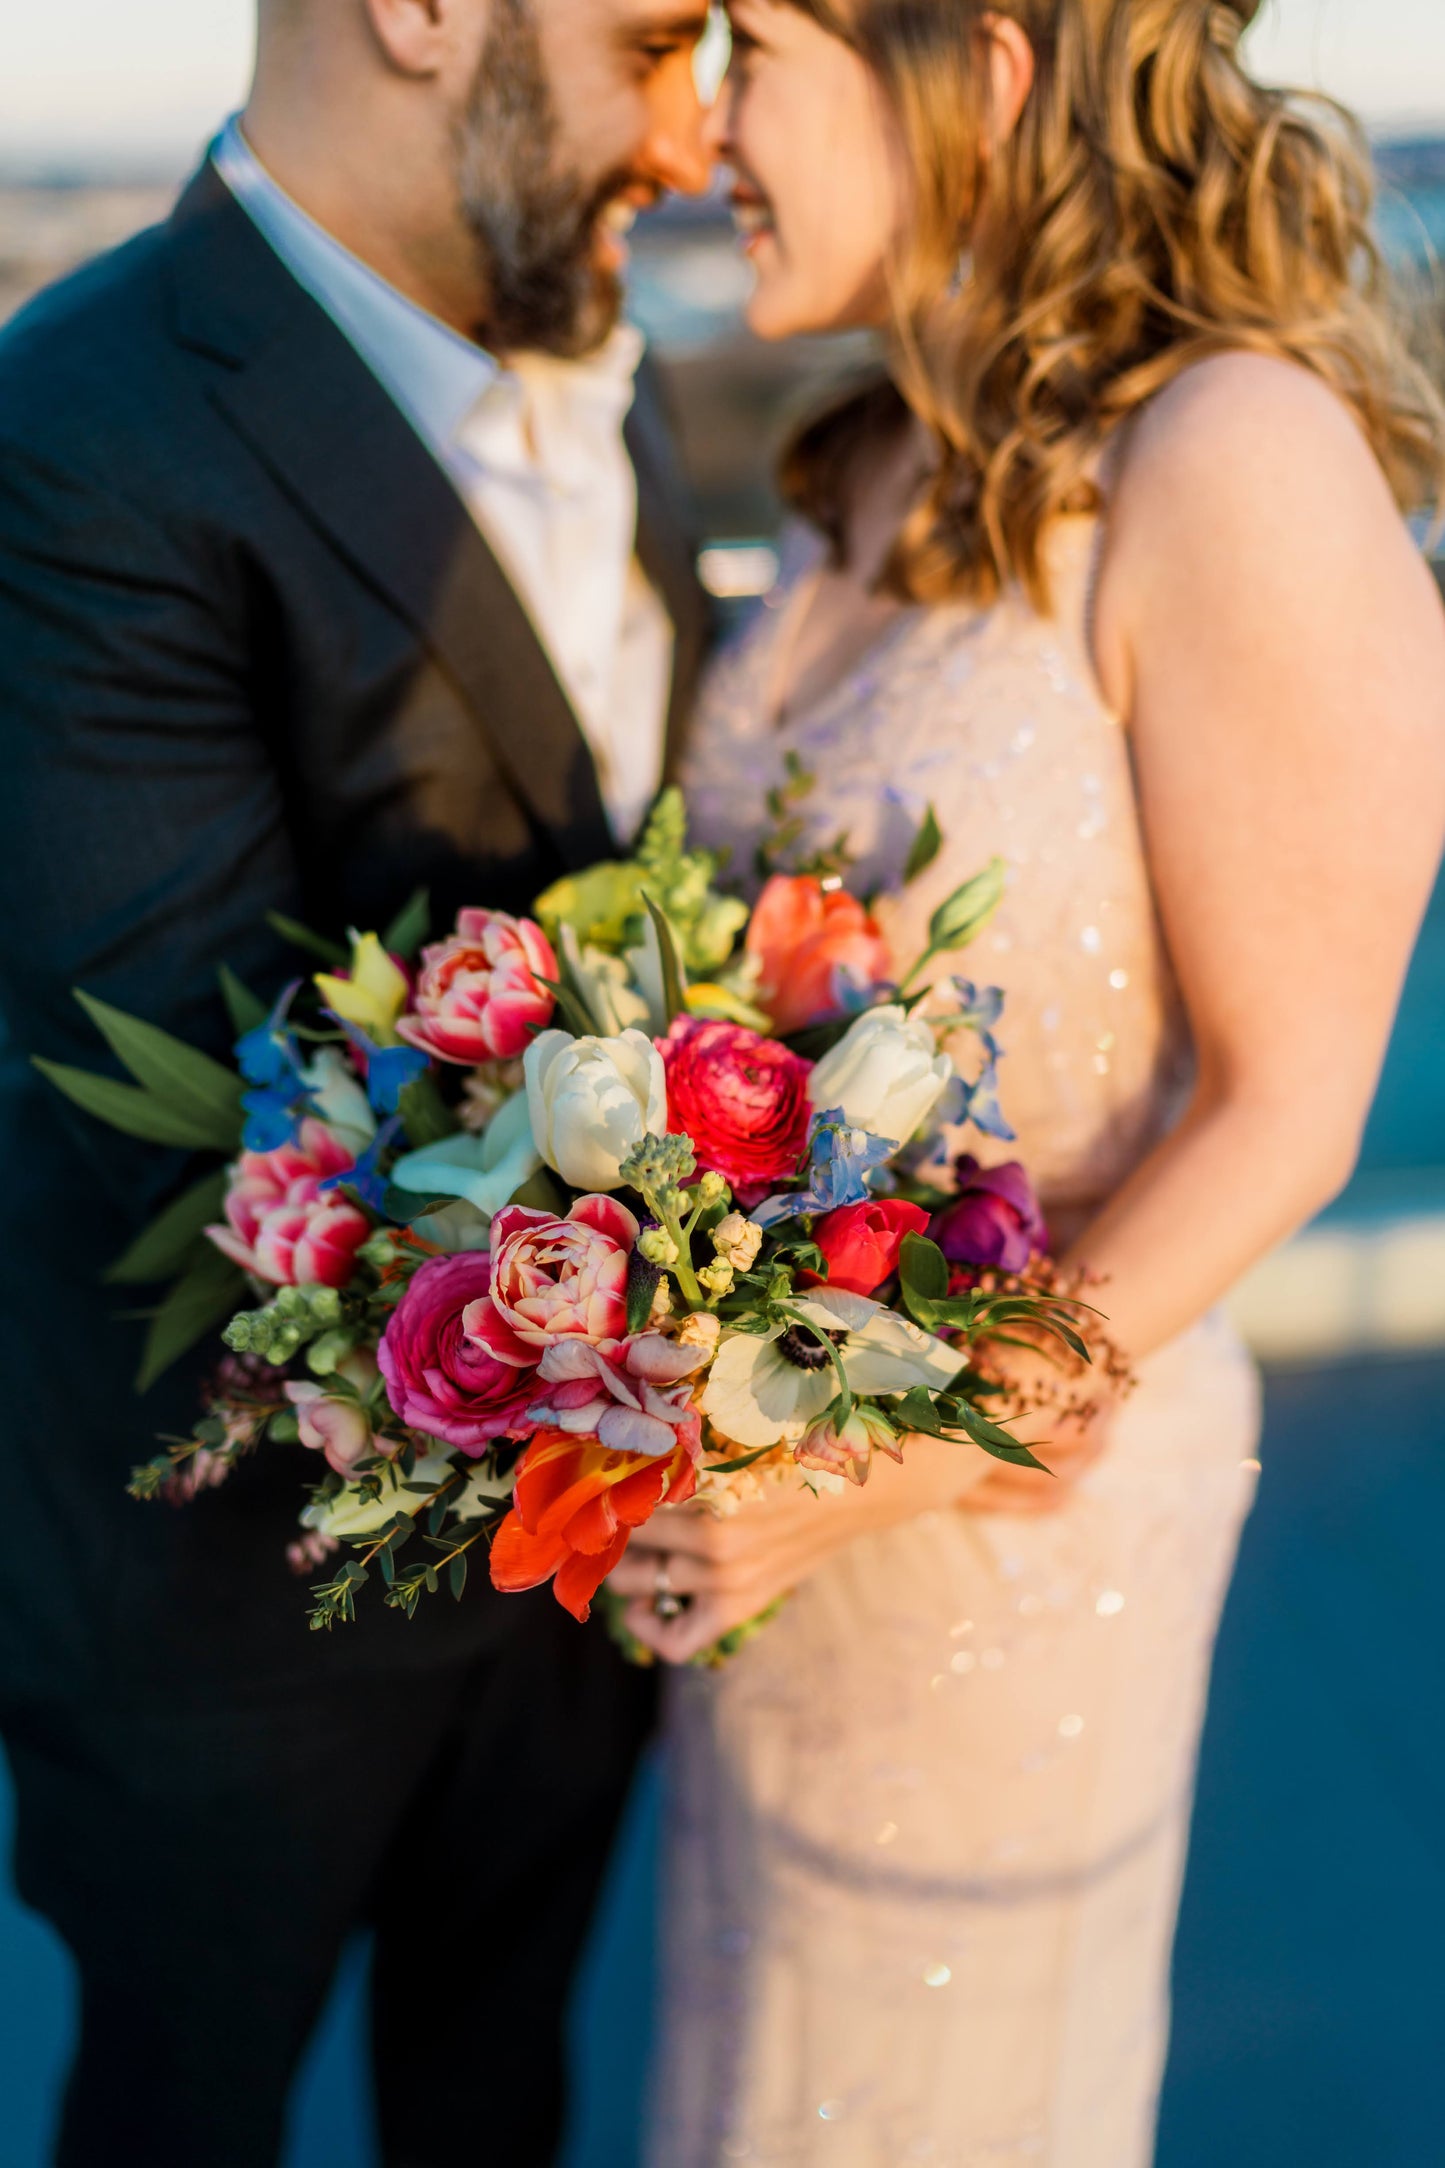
741	1098
811	945
337	1428
437	1379
477	998
994	1219
633	1397
552	1278
281	1225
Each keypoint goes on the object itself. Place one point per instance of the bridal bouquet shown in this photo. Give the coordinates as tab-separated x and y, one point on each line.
637	1200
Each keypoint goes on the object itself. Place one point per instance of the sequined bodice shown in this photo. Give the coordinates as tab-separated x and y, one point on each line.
996	719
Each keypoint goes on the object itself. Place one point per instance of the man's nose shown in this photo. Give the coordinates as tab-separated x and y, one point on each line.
677	153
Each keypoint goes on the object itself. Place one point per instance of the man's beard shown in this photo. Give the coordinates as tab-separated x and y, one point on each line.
535	224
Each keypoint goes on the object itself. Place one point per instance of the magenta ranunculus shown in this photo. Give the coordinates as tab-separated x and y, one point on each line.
477	997
554	1277
993	1220
437	1379
281	1224
742	1099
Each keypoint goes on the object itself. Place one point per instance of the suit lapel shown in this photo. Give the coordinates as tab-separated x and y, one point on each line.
666	554
311	410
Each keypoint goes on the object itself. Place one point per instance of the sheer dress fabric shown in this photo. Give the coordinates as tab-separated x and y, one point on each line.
924	1837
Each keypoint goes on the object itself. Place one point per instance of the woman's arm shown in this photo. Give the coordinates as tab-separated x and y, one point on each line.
1279	649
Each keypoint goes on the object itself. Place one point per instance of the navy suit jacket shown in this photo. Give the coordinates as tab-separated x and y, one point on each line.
254	655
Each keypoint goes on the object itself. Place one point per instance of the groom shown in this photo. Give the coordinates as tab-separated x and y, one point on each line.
336	556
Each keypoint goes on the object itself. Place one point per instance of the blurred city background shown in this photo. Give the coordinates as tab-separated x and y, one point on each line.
1307	1996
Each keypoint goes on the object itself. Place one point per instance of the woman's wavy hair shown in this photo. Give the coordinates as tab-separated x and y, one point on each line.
1153	205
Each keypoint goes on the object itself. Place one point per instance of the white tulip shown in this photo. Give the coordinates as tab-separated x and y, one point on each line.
885	1073
592	1101
350	1513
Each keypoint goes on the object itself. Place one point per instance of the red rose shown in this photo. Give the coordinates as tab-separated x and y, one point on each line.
861	1242
741	1098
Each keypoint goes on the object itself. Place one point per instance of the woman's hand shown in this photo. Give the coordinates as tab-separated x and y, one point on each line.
734	1568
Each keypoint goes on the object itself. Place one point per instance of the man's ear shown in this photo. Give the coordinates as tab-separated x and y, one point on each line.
416	36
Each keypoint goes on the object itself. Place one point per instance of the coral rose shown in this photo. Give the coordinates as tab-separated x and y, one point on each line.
812	945
742	1099
861	1242
281	1225
574	1508
994	1219
477	997
437	1379
553	1277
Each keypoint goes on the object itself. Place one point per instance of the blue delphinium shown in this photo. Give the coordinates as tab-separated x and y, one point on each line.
840	1159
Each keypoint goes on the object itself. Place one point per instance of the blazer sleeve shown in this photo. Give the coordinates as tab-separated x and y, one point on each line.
143	829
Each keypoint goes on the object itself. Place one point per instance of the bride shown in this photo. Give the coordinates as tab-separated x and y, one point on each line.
1112	573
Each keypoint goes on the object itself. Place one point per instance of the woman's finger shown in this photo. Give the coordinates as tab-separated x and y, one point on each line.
639	1571
677	1641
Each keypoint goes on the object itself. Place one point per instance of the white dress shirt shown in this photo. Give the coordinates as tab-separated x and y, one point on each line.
536	452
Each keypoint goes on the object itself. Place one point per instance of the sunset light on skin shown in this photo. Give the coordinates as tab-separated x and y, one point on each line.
147	84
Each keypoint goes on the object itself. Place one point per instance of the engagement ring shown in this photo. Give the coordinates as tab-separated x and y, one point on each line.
666	1602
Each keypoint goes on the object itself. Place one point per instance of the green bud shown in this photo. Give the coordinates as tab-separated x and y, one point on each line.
712	1190
323	1355
961	917
658	1247
323	1305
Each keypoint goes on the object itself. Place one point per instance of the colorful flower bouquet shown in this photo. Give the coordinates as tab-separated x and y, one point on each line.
642	1199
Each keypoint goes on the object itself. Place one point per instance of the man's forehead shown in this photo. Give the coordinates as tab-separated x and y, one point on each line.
661	18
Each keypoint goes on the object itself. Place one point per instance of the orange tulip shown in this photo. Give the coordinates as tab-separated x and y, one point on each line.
809	942
574	1508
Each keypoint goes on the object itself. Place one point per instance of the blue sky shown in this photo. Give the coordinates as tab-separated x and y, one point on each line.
148	78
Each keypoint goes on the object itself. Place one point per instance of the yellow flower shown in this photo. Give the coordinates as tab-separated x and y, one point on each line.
374	995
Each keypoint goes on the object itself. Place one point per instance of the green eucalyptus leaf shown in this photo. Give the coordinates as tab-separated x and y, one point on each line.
162	1248
457	1576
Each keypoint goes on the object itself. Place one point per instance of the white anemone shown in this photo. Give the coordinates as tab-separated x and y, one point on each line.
758	1395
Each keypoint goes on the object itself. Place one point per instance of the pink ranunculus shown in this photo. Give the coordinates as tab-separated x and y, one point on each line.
633	1397
811	945
280	1223
742	1099
437	1379
993	1220
553	1278
336	1428
477	996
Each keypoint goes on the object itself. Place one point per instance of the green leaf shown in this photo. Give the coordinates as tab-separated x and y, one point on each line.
209	1293
925	847
180	1076
580	1020
642	1281
961	917
125	1107
457	1576
244	1008
425	1115
163	1246
674	985
407	931
314	944
923	1270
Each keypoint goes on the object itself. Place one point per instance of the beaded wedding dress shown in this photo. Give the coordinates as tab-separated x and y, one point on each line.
925	1835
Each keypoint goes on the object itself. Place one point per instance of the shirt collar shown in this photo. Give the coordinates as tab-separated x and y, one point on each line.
434	373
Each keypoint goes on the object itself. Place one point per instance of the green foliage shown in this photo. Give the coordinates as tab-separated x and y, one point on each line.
330	953
925	847
165	1245
425	1116
408	930
674	980
961	917
245	1009
207	1293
